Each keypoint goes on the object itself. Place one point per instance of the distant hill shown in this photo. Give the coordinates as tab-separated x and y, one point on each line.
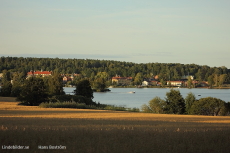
90	67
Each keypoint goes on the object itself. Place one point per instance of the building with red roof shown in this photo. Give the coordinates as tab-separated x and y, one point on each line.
122	80
39	73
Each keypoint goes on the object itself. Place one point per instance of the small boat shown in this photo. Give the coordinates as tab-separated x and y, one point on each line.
132	92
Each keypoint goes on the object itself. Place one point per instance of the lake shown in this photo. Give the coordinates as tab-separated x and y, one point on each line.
123	97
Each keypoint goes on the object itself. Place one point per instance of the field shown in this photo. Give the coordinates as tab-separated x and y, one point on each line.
99	131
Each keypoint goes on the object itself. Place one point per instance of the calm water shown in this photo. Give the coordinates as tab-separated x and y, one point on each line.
123	97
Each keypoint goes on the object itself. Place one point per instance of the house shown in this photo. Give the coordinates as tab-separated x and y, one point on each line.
175	83
67	78
154	83
39	73
145	83
149	81
122	80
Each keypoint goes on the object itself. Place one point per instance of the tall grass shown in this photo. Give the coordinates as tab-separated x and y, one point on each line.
98	131
114	136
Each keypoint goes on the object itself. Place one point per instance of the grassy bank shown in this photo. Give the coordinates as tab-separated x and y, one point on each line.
97	131
84	106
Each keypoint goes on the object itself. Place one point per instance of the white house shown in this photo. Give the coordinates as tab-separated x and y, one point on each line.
145	83
175	83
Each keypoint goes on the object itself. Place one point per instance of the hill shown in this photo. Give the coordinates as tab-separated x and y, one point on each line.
90	67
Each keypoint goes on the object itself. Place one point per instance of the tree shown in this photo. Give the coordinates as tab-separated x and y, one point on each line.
102	75
5	90
7	86
222	79
33	92
216	79
175	102
162	82
83	88
99	84
210	81
225	110
101	81
189	100
170	84
208	106
18	79
157	105
77	79
146	109
189	82
176	75
199	75
55	84
138	79
5	76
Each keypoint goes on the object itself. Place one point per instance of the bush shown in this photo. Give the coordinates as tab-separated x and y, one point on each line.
82	99
62	98
146	109
115	108
71	98
133	109
156	105
81	102
66	105
208	106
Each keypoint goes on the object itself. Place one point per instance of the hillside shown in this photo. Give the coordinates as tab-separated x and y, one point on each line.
90	67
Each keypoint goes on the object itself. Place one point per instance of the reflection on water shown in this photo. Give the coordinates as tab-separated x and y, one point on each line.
126	96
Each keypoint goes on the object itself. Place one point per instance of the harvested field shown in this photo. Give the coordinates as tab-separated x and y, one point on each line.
86	131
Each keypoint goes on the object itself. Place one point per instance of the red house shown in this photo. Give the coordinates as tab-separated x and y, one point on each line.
39	73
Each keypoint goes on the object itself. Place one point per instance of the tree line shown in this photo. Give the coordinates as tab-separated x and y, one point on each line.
36	90
174	103
90	68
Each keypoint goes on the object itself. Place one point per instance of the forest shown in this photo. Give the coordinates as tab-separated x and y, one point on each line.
35	90
90	67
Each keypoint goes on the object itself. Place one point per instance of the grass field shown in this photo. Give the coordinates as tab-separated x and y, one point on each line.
99	131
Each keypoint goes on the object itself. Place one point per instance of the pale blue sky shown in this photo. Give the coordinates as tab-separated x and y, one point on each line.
166	31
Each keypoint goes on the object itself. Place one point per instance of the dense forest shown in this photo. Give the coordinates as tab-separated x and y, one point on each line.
90	67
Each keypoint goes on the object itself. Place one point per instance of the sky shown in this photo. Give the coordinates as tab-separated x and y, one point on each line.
147	31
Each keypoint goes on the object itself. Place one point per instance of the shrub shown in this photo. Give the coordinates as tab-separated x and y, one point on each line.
146	109
71	98
116	108
82	99
208	106
62	98
66	105
133	109
156	105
